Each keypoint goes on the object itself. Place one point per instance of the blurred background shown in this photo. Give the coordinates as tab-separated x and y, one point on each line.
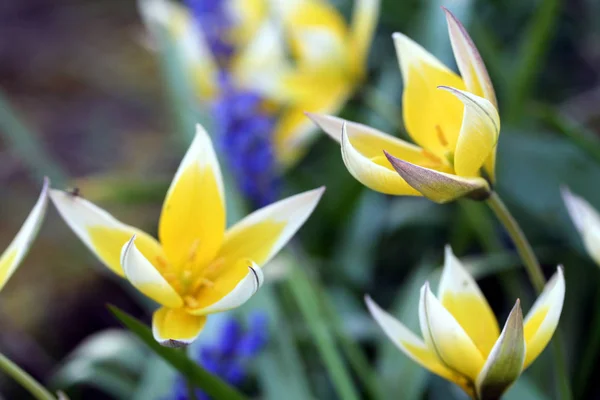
85	101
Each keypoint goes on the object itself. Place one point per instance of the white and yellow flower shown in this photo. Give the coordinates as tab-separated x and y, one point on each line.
18	248
452	119
462	341
197	267
326	63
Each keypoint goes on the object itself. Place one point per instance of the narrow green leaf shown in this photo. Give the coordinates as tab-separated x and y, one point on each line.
212	385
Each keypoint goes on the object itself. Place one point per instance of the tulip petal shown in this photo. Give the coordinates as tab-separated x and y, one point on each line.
542	319
263	233
460	295
408	342
439	186
478	134
188	39
18	248
364	21
192	223
444	335
432	117
505	362
587	221
371	142
146	278
375	173
174	327
470	64
102	233
230	286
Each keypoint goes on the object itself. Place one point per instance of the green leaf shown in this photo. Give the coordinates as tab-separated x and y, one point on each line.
210	384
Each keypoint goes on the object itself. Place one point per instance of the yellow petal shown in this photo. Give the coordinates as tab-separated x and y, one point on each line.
478	134
192	223
190	45
542	319
505	363
146	278
229	286
102	233
587	221
439	186
460	295
375	173
409	343
17	250
432	117
174	327
470	64
263	233
364	21
447	338
247	17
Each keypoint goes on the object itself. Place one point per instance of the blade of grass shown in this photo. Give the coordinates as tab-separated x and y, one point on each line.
209	383
25	144
307	298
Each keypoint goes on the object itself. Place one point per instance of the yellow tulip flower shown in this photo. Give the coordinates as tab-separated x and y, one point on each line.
587	222
198	267
453	120
462	341
18	248
326	61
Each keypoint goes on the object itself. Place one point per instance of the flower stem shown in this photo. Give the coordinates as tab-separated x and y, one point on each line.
536	276
518	237
24	379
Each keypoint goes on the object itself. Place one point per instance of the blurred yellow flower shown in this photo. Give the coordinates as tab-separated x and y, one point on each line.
587	221
454	121
462	341
325	62
199	267
18	248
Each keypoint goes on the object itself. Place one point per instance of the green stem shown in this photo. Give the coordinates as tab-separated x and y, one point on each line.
536	276
24	379
588	361
532	266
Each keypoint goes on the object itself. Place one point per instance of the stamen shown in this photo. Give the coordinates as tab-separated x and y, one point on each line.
432	157
191	301
161	263
441	137
194	250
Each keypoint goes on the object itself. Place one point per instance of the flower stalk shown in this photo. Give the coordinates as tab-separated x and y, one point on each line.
24	379
534	270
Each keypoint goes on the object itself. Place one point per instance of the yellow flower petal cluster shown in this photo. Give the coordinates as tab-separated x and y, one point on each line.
197	267
452	119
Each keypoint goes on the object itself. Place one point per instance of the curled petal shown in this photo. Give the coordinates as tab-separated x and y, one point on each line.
447	338
174	327
227	289
17	250
505	362
470	63
587	221
102	233
409	343
439	186
192	222
542	319
375	173
144	276
478	134
460	295
263	233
